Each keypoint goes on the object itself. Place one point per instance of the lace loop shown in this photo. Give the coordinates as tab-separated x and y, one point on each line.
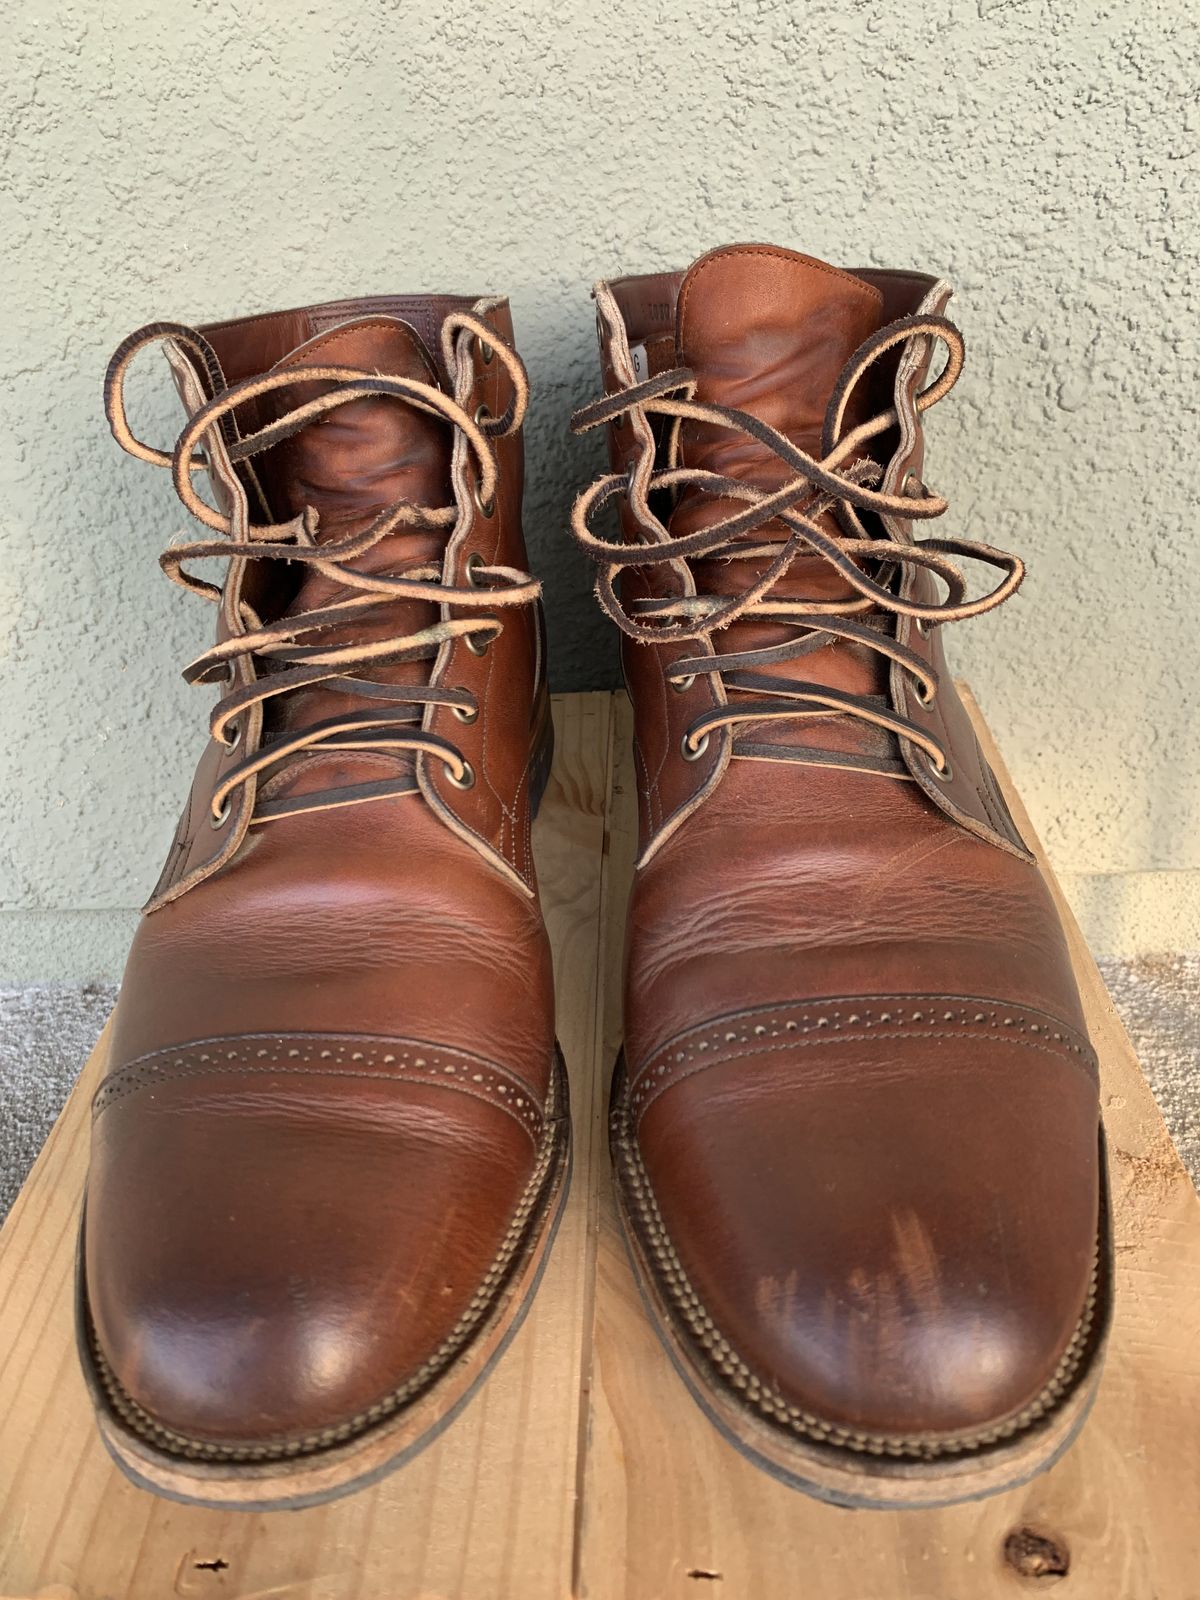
836	483
265	660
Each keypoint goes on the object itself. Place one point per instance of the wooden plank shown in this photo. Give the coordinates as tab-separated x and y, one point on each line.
674	1513
584	1467
487	1510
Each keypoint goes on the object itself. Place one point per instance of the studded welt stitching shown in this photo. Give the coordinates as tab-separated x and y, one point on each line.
722	1040
480	1306
766	1398
312	1058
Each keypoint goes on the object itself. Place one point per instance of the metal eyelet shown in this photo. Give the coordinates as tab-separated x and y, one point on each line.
923	627
467	779
682	685
466	714
924	696
478	647
487	353
232	737
690	751
218	819
482	414
473	565
944	773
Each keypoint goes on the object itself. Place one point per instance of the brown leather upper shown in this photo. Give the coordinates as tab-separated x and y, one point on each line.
860	1103
332	1056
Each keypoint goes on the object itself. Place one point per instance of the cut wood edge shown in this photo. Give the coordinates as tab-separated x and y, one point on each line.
1115	1049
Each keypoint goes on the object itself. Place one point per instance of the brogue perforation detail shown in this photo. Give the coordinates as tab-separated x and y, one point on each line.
782	1028
277	1055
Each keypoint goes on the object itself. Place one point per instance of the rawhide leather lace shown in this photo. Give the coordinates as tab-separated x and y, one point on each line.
265	659
815	488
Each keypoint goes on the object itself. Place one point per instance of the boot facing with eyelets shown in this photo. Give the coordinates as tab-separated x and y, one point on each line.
855	1128
331	1143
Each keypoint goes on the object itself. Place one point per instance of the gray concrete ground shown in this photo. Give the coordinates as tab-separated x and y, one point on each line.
47	1030
1158	998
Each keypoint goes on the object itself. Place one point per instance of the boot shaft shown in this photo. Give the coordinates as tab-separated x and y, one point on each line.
366	466
765	381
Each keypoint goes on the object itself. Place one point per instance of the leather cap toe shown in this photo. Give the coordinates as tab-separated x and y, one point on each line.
268	1257
896	1234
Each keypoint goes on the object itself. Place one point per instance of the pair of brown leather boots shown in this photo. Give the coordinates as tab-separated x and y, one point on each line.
855	1129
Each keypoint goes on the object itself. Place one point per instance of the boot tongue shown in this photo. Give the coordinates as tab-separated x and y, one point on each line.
350	464
767	331
362	456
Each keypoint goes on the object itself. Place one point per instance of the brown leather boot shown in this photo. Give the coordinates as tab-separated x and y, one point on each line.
856	1130
332	1143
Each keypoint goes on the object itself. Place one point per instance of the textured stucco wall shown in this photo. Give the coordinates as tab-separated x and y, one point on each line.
192	159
